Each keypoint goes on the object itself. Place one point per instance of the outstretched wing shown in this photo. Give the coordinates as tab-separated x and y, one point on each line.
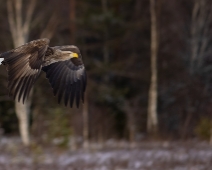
24	65
68	80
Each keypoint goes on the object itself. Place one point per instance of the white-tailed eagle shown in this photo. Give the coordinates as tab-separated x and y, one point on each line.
63	66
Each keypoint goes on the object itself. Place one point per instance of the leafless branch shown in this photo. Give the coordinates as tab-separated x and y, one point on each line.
11	19
205	28
18	10
194	43
29	13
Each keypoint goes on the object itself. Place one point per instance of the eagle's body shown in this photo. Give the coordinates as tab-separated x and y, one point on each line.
63	66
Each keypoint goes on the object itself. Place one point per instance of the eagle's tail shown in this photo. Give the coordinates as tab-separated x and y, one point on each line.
1	59
2	56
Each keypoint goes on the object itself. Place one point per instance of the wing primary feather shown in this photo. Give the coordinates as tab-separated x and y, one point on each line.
28	80
15	72
56	84
62	85
83	85
74	76
82	92
16	83
78	93
23	87
72	96
71	76
68	90
57	76
13	83
52	71
84	81
27	88
17	87
25	91
14	60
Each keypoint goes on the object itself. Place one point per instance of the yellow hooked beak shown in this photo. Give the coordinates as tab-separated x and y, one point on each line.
74	55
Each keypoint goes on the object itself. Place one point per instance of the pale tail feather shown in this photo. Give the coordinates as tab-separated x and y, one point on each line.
1	59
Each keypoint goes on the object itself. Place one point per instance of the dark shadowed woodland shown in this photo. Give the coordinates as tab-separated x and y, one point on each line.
149	90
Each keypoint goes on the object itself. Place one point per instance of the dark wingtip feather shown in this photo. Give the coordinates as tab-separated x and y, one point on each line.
23	88
83	85
78	93
67	91
72	96
66	83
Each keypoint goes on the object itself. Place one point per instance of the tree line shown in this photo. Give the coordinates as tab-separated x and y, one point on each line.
148	65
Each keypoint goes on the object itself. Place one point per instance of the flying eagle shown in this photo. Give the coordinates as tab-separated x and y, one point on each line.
63	66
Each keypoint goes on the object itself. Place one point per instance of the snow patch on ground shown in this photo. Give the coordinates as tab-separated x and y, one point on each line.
146	156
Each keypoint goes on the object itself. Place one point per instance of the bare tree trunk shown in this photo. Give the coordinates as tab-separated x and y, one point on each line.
194	38
200	38
85	124
200	30
20	32
152	119
23	112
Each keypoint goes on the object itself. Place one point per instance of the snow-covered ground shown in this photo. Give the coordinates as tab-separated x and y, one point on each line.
145	156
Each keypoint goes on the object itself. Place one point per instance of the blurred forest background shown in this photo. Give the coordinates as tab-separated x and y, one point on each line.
120	52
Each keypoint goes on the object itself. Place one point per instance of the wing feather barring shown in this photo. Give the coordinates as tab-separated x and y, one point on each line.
63	66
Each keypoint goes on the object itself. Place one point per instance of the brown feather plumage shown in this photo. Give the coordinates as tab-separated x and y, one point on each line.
66	76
